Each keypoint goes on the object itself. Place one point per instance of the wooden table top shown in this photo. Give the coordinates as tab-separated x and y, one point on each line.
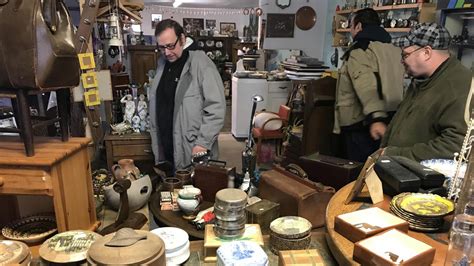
342	248
48	151
175	218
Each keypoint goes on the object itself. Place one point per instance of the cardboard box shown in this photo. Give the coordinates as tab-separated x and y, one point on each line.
300	257
263	213
362	224
393	248
212	242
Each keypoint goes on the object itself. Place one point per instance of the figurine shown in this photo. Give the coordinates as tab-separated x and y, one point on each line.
129	108
142	108
136	123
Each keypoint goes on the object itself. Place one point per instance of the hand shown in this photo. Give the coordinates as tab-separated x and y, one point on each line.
377	130
197	149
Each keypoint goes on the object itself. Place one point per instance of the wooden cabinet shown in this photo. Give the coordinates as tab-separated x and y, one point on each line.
142	59
420	12
60	170
316	112
131	146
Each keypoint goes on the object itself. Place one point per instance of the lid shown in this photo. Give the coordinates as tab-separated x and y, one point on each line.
69	246
174	238
189	192
13	252
241	253
291	227
140	252
231	197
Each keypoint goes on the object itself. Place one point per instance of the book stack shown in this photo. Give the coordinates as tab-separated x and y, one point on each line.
303	68
169	201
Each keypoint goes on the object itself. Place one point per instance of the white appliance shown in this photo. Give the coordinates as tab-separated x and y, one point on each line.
243	89
277	94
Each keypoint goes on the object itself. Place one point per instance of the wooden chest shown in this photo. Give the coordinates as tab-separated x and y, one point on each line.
263	213
131	146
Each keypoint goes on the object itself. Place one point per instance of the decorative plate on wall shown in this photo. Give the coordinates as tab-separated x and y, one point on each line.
305	18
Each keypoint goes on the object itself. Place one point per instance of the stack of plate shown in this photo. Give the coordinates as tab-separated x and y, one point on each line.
14	253
229	209
423	212
241	253
176	244
290	233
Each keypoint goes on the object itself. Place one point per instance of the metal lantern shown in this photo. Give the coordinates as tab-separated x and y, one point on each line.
115	32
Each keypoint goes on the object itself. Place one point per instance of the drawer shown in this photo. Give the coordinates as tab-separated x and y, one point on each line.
25	181
279	86
132	150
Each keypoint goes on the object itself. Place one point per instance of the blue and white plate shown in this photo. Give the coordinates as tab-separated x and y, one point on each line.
238	253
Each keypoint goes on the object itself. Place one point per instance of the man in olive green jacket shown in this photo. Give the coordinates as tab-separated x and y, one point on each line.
432	119
369	87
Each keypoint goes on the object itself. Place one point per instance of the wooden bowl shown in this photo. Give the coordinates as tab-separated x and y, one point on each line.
31	229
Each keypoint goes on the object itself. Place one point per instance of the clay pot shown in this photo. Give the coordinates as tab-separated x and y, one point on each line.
184	176
171	183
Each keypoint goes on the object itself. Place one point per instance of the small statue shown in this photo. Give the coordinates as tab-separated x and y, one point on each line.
136	123
142	109
129	108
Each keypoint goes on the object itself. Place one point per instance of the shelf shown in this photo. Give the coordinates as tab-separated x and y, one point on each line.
382	8
387	29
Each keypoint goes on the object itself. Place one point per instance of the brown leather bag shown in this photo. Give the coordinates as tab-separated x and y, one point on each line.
296	196
37	46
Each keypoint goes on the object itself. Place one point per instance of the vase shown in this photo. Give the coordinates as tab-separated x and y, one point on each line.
126	169
189	199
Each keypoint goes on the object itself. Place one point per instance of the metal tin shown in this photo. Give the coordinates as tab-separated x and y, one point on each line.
233	225
229	215
228	234
230	198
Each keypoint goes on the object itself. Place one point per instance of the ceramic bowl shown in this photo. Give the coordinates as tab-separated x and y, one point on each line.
189	192
138	194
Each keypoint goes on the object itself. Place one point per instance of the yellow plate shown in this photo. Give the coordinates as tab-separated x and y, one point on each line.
426	204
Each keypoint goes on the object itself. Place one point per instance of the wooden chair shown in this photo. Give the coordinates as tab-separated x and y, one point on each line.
277	135
21	111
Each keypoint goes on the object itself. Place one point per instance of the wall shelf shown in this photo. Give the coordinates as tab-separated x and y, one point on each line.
383	8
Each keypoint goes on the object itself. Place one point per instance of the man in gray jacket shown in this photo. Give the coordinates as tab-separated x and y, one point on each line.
187	103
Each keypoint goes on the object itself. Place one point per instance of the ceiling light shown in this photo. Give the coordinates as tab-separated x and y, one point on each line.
177	3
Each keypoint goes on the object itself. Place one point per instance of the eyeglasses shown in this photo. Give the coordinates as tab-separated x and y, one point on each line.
406	55
162	48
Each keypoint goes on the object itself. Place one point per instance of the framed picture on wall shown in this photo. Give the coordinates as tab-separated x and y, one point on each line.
227	28
280	25
210	23
155	18
193	26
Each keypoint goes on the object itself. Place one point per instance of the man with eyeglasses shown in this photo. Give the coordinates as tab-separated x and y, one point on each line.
187	103
369	87
432	119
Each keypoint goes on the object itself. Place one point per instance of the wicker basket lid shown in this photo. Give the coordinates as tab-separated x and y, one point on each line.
67	247
145	248
13	252
291	227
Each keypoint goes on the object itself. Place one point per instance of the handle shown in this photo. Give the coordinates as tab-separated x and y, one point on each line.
148	151
3	2
297	170
282	88
50	15
2	181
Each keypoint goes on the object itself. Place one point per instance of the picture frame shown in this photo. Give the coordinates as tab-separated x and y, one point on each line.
89	80
155	18
280	25
91	97
227	28
86	61
210	23
193	26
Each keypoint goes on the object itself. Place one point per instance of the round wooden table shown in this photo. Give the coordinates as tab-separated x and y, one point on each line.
342	248
175	218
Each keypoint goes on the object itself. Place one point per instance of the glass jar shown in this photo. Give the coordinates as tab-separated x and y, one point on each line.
461	241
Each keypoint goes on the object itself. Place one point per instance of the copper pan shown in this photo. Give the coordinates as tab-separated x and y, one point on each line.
305	18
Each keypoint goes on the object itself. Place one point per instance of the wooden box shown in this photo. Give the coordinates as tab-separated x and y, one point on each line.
393	248
263	213
212	242
362	224
300	257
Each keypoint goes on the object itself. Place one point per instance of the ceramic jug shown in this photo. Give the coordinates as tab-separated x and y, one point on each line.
126	169
189	199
